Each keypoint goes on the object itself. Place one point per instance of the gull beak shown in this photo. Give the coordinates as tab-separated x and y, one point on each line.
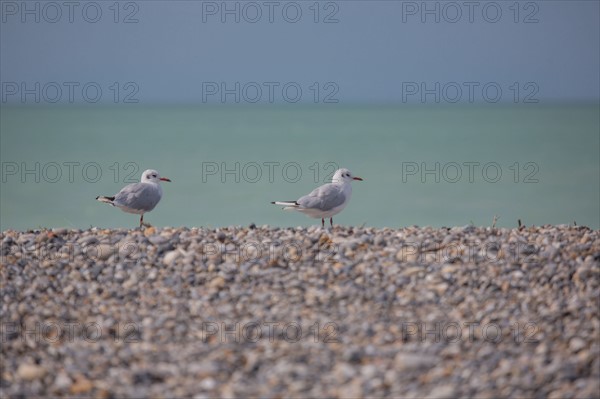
357	178
165	179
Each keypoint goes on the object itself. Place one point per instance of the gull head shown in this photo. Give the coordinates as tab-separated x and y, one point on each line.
152	176
344	176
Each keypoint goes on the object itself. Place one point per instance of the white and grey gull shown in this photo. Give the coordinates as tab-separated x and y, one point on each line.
138	198
327	200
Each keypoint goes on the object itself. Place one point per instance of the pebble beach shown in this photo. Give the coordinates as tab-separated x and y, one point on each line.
260	311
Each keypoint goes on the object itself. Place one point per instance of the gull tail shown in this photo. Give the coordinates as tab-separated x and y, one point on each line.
108	200
289	205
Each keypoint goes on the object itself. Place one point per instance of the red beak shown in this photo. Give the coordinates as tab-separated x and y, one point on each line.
165	179
357	178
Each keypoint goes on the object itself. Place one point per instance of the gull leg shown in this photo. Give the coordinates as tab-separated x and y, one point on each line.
331	221
142	223
322	222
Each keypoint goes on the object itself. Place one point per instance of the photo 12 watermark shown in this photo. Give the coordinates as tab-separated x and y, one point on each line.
270	331
54	332
448	332
56	12
267	171
290	92
270	12
490	92
69	92
415	252
470	12
69	172
279	252
470	172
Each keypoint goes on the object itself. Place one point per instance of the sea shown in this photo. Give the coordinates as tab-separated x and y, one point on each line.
422	165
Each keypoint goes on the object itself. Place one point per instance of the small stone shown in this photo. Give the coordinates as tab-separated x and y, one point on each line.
440	288
410	361
208	384
576	344
152	275
443	392
104	251
30	372
87	240
96	270
170	257
217	282
353	355
81	385
412	271
158	239
132	282
469	228
62	381
103	393
119	277
380	241
369	371
450	269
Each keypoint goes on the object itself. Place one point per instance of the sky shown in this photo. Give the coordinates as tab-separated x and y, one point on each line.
327	52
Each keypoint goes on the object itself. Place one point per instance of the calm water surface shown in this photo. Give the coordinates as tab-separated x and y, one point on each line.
440	166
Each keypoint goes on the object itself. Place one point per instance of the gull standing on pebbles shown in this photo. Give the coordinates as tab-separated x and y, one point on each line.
138	198
327	200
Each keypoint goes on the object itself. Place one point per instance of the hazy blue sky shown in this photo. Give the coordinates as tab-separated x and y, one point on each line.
367	52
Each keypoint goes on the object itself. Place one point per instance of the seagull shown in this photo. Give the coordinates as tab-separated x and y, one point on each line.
327	200
138	198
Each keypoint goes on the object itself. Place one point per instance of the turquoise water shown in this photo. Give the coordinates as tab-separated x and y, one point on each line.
548	157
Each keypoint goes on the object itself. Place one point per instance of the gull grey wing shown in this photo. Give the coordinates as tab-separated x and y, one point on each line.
323	198
139	196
